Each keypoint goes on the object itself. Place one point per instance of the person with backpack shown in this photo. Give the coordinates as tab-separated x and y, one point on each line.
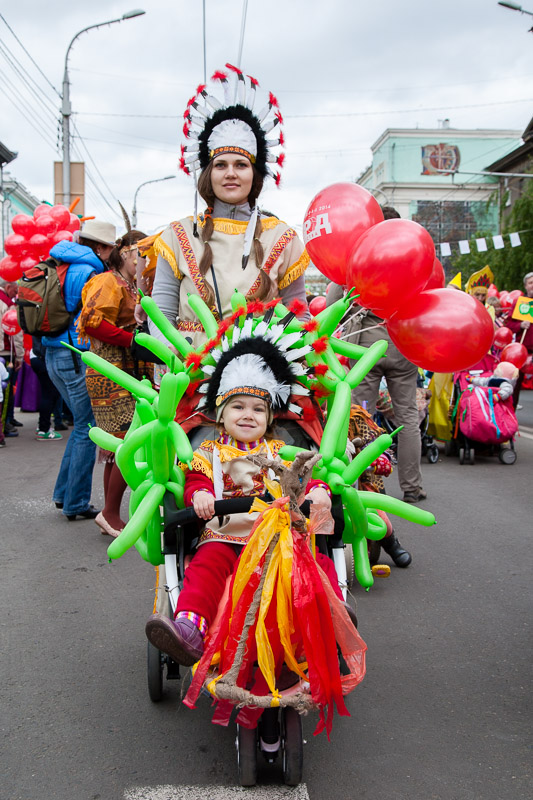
85	258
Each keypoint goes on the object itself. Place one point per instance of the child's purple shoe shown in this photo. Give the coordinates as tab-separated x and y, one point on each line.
180	639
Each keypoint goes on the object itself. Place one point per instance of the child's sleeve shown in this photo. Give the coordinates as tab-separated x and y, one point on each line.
316	484
196	482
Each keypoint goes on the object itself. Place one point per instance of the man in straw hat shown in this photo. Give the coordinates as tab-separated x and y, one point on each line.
86	257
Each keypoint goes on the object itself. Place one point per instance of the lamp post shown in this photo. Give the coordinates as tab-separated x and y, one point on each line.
66	108
134	209
515	7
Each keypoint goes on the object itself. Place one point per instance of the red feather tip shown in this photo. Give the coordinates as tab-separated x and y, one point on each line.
253	81
182	149
320	369
280	159
255	307
273	303
281	138
320	345
298	307
186	128
190	101
219	76
191	388
200	89
234	69
311	325
279	117
277	179
273	100
320	391
187	114
193	360
182	165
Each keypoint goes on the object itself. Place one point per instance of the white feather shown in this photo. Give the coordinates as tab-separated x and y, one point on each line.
300	390
295	409
250	370
292	355
289	340
208	369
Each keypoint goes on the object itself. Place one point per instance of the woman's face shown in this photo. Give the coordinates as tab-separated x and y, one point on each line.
231	178
130	258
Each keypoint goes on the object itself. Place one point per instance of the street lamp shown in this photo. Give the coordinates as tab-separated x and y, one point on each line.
515	7
66	108
134	209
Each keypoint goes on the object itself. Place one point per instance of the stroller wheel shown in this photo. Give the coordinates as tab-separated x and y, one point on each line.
247	755
433	454
461	455
507	456
350	566
154	664
472	455
292	744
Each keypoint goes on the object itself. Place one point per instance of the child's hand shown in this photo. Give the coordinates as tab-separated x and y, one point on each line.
320	497
204	505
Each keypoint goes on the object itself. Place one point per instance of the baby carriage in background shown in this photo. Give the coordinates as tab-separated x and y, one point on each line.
480	424
385	419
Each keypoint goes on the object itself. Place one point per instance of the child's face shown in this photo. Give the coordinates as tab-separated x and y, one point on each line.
245	418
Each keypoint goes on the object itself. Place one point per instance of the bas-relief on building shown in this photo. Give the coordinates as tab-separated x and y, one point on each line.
413	170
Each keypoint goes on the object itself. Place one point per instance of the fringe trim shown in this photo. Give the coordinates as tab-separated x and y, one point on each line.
161	248
295	270
238	226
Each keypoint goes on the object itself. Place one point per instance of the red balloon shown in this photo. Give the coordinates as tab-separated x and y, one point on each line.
390	263
24	225
14	245
39	246
74	224
527	366
61	216
515	294
10	323
502	336
437	279
45	225
27	263
333	222
442	331
505	301
516	353
10	270
43	208
492	291
317	305
60	236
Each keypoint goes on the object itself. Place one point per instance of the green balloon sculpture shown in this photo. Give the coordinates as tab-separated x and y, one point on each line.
147	455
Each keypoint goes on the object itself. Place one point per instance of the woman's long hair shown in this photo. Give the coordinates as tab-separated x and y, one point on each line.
266	288
129	238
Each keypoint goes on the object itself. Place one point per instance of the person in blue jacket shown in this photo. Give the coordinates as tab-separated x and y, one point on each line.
86	257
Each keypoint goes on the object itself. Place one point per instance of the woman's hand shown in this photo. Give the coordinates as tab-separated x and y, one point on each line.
320	497
203	503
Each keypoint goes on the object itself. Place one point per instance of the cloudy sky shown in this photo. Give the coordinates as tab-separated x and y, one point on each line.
342	70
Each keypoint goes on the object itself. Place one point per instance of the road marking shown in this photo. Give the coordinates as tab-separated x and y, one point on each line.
527	435
525	428
217	793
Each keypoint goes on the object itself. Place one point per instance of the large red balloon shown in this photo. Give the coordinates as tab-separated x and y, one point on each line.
10	323
27	263
61	216
41	209
335	219
390	263
515	294
502	336
437	279
61	236
10	270
492	291
14	245
505	301
24	225
39	247
317	305
442	331
516	353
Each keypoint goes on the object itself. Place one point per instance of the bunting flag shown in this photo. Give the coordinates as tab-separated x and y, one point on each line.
464	246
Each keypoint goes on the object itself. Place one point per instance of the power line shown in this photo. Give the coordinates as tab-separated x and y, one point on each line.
25	82
407	110
22	111
28	54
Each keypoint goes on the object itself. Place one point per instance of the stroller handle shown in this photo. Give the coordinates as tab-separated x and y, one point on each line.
223	508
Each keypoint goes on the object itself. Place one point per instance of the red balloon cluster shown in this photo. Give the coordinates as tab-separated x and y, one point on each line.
33	237
392	266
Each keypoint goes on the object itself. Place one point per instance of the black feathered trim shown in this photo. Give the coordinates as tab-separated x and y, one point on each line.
261	347
234	112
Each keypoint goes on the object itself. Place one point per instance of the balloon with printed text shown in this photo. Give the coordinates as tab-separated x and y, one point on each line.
442	331
390	264
10	323
335	219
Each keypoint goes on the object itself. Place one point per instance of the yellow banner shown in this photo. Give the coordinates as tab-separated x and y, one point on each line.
523	309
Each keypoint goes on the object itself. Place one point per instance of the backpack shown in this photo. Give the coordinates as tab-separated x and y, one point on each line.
40	303
484	420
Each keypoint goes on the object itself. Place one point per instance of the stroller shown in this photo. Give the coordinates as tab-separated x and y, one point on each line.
384	417
480	425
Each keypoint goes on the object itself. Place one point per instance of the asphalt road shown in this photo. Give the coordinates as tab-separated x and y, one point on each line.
444	712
